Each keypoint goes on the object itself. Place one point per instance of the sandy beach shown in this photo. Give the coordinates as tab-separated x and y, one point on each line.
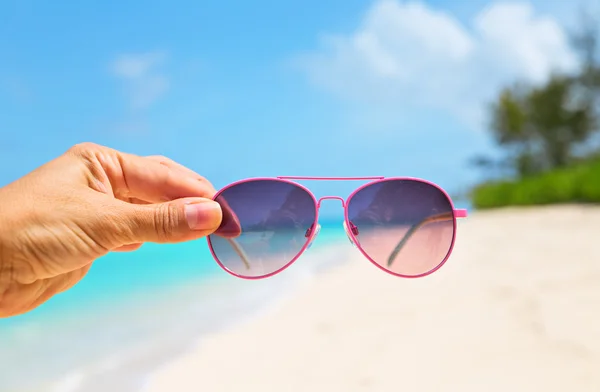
516	308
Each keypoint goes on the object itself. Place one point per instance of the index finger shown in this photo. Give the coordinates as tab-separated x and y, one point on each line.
178	166
132	176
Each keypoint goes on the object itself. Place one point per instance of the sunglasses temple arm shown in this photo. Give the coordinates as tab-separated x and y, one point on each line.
238	249
432	219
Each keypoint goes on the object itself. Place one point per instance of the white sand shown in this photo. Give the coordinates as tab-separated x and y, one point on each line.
516	308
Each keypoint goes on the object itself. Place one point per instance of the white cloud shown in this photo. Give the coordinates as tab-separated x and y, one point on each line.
408	56
144	83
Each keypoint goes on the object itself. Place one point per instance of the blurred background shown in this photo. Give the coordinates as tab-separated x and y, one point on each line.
498	102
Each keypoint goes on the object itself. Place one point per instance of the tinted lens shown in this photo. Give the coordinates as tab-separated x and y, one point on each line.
266	224
405	226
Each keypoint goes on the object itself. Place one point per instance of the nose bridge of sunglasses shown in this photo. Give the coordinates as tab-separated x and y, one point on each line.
341	199
354	231
312	234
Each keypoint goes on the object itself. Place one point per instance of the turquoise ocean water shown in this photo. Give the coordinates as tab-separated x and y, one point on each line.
135	310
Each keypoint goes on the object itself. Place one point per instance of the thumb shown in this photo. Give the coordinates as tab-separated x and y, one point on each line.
174	221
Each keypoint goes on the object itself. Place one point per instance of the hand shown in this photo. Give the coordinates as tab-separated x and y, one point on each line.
92	200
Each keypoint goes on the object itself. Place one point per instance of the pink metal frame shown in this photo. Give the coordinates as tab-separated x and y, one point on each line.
457	213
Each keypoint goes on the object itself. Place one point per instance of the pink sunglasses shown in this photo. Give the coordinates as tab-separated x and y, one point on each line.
404	226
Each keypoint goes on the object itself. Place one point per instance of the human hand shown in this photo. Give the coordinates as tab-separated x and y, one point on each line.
58	219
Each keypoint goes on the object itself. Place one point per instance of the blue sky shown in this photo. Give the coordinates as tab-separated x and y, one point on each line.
262	88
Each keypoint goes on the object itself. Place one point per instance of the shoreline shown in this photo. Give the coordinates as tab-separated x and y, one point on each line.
512	309
227	303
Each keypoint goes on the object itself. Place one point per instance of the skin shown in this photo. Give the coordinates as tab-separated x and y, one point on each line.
92	200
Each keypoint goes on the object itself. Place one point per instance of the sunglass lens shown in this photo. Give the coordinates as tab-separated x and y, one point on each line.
405	226
266	225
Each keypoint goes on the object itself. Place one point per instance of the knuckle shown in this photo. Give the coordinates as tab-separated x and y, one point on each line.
84	148
166	221
160	158
110	229
205	182
163	160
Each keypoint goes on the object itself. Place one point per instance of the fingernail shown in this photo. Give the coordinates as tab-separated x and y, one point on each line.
203	215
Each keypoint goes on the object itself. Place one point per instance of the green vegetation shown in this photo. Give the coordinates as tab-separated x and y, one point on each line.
577	183
547	135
